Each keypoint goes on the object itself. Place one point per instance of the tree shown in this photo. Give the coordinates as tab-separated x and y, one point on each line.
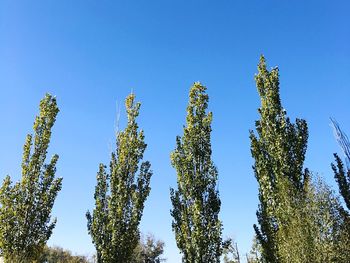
323	211
25	207
120	195
315	230
149	250
341	173
279	152
342	177
60	255
196	202
231	253
255	252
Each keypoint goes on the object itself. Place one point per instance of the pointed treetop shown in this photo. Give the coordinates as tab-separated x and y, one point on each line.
48	110
262	62
267	83
198	103
132	108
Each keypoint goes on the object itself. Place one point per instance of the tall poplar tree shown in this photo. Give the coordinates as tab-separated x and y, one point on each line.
196	202
120	194
25	207
278	149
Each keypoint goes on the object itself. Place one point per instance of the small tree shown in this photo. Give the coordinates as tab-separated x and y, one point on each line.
60	255
254	255
230	252
25	207
149	250
320	217
120	195
196	202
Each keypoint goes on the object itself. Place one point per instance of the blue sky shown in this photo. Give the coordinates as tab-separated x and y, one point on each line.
92	54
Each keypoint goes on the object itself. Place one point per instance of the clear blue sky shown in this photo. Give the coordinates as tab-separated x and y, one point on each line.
91	54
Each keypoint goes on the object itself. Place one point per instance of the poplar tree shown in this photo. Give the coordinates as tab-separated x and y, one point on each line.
196	202
120	194
342	176
278	149
25	207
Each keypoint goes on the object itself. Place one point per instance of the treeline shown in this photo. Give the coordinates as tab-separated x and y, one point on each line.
299	218
147	250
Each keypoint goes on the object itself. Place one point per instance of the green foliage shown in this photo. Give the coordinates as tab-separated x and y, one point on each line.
315	229
279	152
149	250
342	176
120	195
300	220
341	173
59	255
25	207
231	253
324	211
196	202
255	252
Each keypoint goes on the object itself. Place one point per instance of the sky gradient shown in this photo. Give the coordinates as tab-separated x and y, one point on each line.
92	54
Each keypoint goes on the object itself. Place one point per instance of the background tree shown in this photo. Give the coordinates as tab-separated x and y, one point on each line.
315	230
324	212
279	152
230	252
254	255
149	250
25	207
60	255
120	195
196	202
